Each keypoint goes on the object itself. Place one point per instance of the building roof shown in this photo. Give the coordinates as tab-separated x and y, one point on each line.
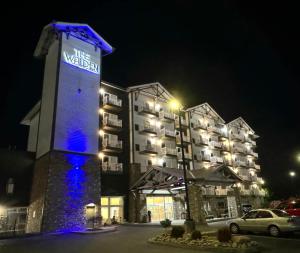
207	108
154	89
240	120
29	116
80	31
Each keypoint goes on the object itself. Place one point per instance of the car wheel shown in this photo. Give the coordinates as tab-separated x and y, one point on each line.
274	231
234	228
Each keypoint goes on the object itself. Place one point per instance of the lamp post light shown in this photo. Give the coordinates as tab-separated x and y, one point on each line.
175	105
292	174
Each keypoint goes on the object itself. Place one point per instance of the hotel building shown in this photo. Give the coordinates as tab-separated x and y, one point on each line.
112	151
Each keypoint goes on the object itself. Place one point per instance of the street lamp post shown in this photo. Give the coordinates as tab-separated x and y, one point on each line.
190	225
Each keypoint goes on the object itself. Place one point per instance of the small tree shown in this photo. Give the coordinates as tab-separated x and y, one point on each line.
165	223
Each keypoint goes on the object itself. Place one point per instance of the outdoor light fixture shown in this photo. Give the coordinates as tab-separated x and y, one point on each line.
101	132
101	111
292	173
101	155
101	91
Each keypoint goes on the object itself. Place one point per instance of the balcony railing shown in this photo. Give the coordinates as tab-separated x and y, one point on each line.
214	129
112	144
221	192
167	133
107	100
216	144
184	122
240	163
200	158
112	122
216	159
199	125
236	136
187	156
112	167
184	138
148	149
146	109
164	115
148	129
169	151
201	142
239	149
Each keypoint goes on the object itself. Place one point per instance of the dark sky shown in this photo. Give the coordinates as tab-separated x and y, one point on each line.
241	59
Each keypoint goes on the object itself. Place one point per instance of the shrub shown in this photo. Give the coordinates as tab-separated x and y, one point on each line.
165	223
177	231
224	234
196	234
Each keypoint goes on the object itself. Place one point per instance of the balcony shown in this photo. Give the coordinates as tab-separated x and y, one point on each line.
237	137
148	149
216	159
209	191
225	148
240	163
216	144
185	139
201	142
203	158
239	149
200	125
112	167
187	156
146	109
221	192
169	151
112	146
148	130
167	134
214	129
166	116
184	123
257	167
112	103
245	192
112	124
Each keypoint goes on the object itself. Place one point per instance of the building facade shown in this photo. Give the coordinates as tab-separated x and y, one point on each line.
118	152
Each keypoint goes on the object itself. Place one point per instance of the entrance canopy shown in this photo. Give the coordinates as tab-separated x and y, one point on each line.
157	177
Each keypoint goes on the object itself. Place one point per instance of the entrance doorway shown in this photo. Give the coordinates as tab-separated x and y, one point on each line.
161	207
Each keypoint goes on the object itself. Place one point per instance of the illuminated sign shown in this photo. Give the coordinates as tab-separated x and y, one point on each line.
81	60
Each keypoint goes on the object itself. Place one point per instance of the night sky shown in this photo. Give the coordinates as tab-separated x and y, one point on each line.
242	60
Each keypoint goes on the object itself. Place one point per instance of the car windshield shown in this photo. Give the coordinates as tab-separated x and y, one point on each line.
280	213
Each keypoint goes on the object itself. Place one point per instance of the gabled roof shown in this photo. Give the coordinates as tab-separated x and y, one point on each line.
80	31
241	121
214	175
154	89
205	108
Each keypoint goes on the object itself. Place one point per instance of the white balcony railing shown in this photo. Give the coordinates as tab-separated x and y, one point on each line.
166	115
148	148
186	156
112	122
221	192
112	101
148	128
236	136
183	122
112	144
201	141
169	151
116	167
166	133
240	163
199	125
184	138
216	144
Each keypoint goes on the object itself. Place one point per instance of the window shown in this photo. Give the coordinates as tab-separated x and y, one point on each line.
149	162
136	108
280	213
137	147
193	140
250	215
264	214
10	186
136	127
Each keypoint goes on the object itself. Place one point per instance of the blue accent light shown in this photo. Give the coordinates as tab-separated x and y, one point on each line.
77	141
85	33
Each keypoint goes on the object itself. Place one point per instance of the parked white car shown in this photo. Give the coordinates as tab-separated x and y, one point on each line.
274	221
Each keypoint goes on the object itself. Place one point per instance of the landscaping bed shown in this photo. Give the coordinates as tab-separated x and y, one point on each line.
207	242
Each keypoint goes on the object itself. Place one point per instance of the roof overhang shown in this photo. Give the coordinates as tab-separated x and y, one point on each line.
29	116
80	31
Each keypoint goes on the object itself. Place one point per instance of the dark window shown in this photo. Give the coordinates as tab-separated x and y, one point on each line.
163	145
136	108
195	157
246	186
280	213
193	140
251	215
149	162
164	164
221	205
136	127
137	147
10	186
192	124
105	159
296	205
264	214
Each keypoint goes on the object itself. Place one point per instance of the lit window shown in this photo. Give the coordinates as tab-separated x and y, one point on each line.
115	201
104	201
